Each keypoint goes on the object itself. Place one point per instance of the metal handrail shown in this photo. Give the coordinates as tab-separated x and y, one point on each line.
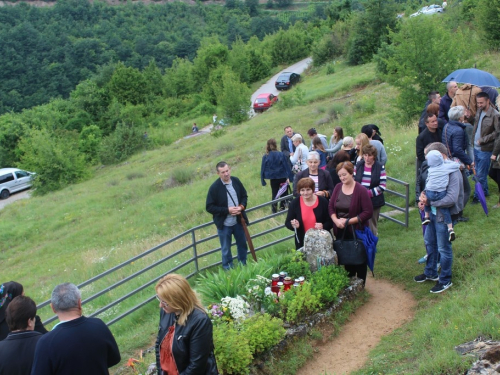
194	244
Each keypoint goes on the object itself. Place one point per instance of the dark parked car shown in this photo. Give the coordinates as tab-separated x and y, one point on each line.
286	80
264	101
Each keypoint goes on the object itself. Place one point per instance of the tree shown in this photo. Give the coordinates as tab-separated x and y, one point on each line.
488	13
128	85
371	27
232	96
55	158
419	56
211	54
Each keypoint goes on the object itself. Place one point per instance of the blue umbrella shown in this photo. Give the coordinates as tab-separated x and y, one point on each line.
370	242
473	76
479	192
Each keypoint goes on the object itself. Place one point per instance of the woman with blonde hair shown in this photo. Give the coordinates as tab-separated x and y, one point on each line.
361	141
185	342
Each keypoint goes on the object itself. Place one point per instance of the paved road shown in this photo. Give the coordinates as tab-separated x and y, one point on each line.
269	85
14	197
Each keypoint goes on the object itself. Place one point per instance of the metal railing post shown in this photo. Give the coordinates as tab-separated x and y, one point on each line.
193	238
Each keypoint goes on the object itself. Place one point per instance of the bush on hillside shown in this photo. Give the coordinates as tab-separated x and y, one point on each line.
419	56
124	142
54	157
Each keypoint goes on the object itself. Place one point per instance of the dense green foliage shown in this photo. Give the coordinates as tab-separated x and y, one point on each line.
420	55
46	52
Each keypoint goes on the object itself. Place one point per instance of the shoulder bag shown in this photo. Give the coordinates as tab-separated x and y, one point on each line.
350	252
297	166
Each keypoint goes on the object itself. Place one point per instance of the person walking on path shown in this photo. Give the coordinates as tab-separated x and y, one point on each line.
226	201
275	167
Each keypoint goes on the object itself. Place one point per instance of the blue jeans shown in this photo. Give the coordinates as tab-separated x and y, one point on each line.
437	244
482	161
435	196
225	237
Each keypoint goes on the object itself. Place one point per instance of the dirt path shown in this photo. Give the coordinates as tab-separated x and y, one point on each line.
388	308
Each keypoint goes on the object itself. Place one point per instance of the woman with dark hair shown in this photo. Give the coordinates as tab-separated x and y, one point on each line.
17	351
185	341
335	142
317	146
371	174
332	165
9	291
307	211
275	167
350	208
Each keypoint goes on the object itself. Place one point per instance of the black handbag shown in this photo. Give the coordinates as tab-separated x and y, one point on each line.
350	252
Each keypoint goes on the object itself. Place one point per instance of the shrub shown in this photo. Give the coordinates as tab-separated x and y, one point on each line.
324	50
330	68
297	303
232	350
263	332
291	99
183	175
122	143
364	106
328	282
54	157
89	141
336	110
297	266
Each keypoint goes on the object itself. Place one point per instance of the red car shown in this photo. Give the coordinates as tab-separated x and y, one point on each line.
264	101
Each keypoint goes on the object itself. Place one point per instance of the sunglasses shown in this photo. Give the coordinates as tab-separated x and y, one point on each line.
162	302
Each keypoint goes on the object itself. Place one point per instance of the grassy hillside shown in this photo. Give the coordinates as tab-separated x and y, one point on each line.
80	231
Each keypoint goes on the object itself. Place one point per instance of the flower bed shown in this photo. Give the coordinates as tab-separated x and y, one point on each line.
251	314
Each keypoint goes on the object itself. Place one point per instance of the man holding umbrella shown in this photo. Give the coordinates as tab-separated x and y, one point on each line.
484	134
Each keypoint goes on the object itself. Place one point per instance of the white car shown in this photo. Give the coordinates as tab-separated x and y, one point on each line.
13	180
431	9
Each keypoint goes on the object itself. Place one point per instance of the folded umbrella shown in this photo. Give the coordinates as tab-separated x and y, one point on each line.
370	242
479	192
282	189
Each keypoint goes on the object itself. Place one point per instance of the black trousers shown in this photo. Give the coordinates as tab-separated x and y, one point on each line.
275	186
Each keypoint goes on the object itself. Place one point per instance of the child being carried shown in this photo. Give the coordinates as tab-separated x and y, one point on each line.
438	179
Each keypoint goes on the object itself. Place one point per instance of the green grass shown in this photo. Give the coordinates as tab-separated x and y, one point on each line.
76	233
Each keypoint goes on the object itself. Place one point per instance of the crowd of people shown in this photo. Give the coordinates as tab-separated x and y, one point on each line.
338	184
78	345
459	135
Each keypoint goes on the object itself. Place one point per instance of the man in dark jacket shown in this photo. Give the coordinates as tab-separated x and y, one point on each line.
434	97
484	133
286	145
429	135
226	201
447	99
18	349
77	345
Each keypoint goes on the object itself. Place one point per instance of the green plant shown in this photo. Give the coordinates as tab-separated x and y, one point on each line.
183	175
122	143
298	303
364	106
262	332
217	131
232	350
330	68
328	282
297	266
336	110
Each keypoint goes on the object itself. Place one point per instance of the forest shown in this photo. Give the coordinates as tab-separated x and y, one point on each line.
89	84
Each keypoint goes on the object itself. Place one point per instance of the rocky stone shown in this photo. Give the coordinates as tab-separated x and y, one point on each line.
318	249
488	354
